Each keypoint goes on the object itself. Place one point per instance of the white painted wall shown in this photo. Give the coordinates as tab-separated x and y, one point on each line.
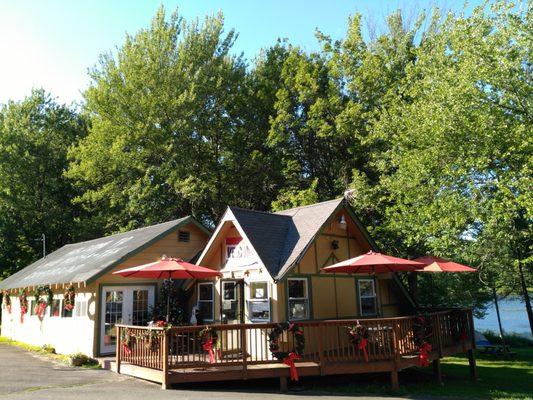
66	335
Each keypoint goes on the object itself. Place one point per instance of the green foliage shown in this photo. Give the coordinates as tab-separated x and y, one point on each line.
178	300
82	360
34	195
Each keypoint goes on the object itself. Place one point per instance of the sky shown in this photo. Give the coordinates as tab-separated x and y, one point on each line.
51	44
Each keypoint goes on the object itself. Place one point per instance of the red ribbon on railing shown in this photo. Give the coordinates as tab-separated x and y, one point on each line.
23	310
362	346
463	339
208	346
126	349
423	355
289	360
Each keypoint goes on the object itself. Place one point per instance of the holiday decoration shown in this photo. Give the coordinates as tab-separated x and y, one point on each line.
422	331
209	338
287	357
126	339
6	301
358	336
23	301
69	298
42	303
458	325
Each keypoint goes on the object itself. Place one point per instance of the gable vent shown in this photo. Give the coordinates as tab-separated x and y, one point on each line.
184	236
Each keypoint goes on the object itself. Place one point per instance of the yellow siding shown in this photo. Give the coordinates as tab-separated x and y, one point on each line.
281	304
346	297
307	263
323	298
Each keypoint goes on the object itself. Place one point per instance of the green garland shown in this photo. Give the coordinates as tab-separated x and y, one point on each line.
69	298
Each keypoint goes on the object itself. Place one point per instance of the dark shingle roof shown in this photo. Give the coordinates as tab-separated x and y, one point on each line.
281	238
80	262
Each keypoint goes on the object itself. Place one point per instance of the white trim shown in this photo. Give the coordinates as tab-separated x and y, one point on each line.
375	296
250	300
212	301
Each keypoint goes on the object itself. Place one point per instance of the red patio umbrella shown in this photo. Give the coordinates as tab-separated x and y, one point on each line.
168	268
437	264
374	263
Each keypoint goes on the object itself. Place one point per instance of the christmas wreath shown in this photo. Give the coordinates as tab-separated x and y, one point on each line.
7	301
127	339
23	301
358	336
296	353
41	303
458	325
422	331
209	340
69	298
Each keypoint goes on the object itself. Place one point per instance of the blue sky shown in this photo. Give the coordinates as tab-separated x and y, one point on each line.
52	43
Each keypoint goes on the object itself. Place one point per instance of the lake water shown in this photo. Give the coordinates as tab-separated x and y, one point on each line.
514	318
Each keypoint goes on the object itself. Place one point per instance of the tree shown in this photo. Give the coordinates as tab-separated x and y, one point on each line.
35	135
456	171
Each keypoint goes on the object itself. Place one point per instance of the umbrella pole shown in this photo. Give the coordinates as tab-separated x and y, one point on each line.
168	299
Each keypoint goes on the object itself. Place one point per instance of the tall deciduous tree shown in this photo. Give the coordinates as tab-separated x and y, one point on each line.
35	135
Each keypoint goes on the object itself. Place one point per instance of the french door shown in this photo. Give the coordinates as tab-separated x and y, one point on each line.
231	302
129	305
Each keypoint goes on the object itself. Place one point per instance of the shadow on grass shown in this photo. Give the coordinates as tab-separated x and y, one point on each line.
497	379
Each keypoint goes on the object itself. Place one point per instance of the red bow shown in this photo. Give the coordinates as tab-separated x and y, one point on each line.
423	355
362	346
126	348
289	360
23	310
208	346
40	310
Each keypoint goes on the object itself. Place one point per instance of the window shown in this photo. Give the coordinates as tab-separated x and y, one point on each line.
184	236
259	303
67	313
206	301
367	297
55	309
298	298
33	307
230	301
81	309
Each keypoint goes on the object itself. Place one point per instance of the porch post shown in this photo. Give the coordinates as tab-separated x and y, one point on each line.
394	379
472	365
164	368
283	384
437	370
119	345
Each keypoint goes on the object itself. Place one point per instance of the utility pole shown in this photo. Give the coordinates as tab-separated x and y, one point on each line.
43	240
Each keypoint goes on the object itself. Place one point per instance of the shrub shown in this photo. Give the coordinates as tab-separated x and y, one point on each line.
46	348
81	360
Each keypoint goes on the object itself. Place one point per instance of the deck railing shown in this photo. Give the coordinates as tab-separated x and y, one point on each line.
326	342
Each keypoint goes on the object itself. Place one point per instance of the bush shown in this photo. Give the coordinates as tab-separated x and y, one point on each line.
511	339
46	348
81	360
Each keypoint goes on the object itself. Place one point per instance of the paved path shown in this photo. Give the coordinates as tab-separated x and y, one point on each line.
24	375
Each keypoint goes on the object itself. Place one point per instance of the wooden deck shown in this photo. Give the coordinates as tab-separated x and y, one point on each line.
175	355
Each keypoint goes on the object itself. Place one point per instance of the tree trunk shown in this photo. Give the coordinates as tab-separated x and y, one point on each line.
525	293
495	296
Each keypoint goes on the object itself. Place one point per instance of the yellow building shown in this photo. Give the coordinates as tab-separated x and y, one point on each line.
271	268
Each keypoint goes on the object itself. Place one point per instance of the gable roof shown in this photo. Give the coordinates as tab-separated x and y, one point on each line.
281	238
85	261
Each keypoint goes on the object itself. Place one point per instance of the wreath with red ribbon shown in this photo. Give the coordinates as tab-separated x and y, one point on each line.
41	303
422	331
69	298
358	336
7	301
127	339
23	301
458	323
288	357
209	340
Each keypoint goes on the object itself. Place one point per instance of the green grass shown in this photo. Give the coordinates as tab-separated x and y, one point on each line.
48	351
497	379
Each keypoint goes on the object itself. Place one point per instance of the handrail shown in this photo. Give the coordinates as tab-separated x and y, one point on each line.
327	341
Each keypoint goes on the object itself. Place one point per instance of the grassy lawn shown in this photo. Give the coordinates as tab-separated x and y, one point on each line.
497	379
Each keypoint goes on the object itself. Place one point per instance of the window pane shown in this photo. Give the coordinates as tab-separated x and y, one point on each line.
33	308
368	305
140	307
258	290
229	290
297	288
366	288
67	313
298	309
55	310
205	309
259	310
206	291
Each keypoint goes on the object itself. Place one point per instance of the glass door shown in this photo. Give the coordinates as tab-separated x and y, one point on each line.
128	305
231	302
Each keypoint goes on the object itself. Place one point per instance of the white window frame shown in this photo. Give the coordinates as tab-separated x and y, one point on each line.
253	300
375	296
60	298
212	301
306	299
